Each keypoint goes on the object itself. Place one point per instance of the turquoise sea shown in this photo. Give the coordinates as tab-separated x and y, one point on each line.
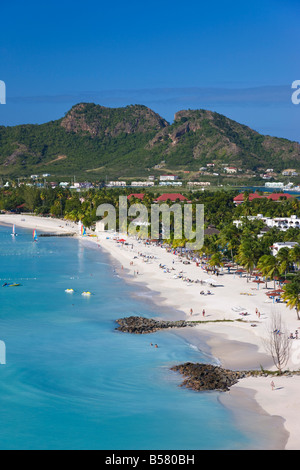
72	381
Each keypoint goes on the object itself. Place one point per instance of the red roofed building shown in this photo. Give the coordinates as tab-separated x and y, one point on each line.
276	197
273	197
240	198
171	197
136	196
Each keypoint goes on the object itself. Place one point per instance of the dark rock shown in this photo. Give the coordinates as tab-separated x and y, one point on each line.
204	377
140	325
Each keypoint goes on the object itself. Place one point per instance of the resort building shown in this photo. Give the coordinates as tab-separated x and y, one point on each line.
173	197
198	183
277	247
275	185
113	184
142	184
170	183
241	198
168	178
277	197
282	223
231	170
290	172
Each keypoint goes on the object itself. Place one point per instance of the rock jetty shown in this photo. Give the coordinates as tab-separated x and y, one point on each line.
141	325
205	377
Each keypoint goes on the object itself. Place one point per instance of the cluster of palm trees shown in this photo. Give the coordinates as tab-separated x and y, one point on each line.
246	249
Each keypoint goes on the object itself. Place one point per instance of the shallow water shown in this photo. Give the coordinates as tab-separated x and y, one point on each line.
72	381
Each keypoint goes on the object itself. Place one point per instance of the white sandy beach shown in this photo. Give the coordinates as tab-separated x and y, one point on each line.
237	345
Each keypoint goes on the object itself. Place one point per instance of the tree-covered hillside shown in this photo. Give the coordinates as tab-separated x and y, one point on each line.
129	141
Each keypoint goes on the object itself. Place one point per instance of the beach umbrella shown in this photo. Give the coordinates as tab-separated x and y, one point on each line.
258	281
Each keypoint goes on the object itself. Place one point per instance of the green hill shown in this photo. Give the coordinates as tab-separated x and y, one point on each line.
129	141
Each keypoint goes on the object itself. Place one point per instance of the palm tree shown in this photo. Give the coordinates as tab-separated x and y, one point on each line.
284	260
230	239
269	265
291	295
247	256
295	255
216	260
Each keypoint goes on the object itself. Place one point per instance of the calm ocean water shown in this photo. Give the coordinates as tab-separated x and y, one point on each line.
72	382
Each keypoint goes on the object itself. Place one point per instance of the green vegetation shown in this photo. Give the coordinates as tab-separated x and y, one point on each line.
131	141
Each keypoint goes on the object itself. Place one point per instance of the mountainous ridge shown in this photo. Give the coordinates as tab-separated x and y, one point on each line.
132	140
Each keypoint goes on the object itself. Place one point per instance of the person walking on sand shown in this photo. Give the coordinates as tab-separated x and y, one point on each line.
203	313
191	312
272	385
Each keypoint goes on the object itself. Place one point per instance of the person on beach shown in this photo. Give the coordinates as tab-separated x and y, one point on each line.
191	311
272	385
203	313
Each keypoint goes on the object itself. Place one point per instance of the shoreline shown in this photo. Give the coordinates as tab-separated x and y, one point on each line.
232	345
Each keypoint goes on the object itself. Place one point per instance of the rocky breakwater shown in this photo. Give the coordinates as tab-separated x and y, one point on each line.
140	325
205	377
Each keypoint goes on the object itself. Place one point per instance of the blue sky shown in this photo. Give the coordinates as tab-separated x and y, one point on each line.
237	58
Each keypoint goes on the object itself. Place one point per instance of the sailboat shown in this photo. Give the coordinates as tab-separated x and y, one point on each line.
35	237
14	231
83	232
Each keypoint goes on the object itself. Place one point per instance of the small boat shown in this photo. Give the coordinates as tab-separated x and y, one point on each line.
69	291
86	294
11	285
34	235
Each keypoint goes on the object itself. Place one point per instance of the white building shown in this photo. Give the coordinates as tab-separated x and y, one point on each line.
282	223
170	183
277	247
168	178
113	184
230	170
290	172
142	184
199	183
274	185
